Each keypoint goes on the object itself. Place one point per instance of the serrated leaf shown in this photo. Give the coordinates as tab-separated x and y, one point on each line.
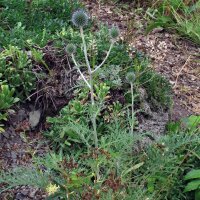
193	185
192	174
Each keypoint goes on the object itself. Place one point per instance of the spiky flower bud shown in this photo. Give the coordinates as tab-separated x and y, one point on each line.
70	49
114	32
80	18
130	77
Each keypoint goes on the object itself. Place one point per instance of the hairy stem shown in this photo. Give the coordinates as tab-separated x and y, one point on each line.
107	55
85	50
77	67
132	110
93	117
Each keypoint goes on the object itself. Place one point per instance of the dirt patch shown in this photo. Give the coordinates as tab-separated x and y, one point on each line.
177	60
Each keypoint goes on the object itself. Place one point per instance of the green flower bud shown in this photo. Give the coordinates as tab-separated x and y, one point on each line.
130	77
80	18
70	49
114	32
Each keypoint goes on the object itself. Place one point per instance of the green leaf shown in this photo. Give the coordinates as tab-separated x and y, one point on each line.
192	174
191	122
133	168
162	21
151	184
193	185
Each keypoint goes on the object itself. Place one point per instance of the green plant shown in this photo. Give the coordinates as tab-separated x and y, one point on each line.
6	97
111	76
16	71
37	56
194	185
130	77
72	176
158	88
179	15
166	162
37	21
189	124
80	19
6	101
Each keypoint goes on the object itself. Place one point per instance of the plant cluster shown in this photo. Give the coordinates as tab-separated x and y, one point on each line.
179	15
36	20
16	71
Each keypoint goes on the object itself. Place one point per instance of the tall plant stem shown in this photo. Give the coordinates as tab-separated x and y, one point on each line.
108	53
132	110
93	118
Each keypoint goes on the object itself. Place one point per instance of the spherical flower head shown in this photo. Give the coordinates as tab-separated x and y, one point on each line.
70	49
80	18
114	32
130	77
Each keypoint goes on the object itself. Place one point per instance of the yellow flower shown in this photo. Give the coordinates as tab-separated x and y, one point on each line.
52	188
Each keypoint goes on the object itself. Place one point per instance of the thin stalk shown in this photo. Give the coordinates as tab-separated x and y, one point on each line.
93	117
94	124
85	50
108	53
132	110
77	67
42	61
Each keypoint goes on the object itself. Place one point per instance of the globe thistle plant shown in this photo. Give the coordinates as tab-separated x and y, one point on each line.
70	49
80	18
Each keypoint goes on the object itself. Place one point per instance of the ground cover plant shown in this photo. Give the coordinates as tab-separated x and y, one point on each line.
36	21
179	15
95	148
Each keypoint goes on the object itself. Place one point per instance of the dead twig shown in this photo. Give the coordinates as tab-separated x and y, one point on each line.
179	73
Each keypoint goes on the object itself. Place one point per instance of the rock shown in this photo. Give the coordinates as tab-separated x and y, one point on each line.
34	118
5	134
24	192
13	155
19	196
21	115
32	193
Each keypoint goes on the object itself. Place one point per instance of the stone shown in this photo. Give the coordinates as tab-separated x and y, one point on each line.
32	193
19	196
34	118
21	115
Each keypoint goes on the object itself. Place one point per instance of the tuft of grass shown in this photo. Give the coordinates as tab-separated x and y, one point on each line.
179	15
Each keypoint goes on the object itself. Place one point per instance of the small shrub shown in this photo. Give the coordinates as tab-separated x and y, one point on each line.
7	100
16	70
